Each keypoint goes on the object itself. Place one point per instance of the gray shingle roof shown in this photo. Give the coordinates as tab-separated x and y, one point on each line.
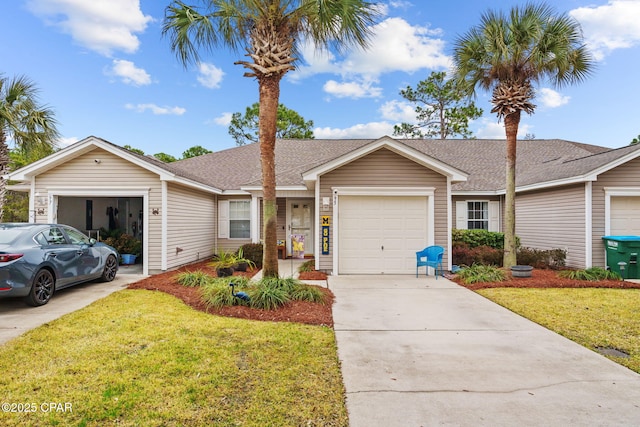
538	161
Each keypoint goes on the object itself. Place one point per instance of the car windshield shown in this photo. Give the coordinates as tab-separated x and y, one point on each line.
8	235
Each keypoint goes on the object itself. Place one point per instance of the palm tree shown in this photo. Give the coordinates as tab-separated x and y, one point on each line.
508	55
31	126
270	32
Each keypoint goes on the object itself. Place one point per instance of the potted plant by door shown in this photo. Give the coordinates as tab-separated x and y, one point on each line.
242	263
224	263
127	246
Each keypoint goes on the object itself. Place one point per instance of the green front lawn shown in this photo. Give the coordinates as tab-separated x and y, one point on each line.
593	317
142	358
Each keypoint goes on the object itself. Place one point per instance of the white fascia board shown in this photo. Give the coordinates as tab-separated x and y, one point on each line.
51	161
278	188
166	177
391	144
615	163
241	192
532	187
87	145
559	182
477	193
100	192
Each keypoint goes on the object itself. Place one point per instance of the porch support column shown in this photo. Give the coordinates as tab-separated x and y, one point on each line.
255	218
163	219
32	201
588	236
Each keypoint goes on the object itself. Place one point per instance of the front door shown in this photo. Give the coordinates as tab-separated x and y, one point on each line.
300	224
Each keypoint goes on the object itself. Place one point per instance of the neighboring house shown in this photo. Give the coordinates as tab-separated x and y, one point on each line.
361	206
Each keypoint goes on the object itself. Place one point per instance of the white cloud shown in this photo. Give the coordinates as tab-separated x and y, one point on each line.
552	99
155	109
210	75
223	119
103	26
395	46
367	130
398	111
65	142
610	26
353	90
129	73
491	129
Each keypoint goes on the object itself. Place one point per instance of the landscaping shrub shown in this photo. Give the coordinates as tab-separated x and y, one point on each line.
193	279
486	255
481	274
308	293
475	238
253	252
269	295
217	292
307	266
591	274
539	258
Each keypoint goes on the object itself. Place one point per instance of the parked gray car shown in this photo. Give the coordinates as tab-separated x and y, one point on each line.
38	259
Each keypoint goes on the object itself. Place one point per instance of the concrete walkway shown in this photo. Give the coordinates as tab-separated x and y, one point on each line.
421	352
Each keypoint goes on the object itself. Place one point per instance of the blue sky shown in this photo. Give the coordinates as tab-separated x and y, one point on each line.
106	70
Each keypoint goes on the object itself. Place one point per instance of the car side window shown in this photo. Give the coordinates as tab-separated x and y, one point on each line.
76	237
41	239
55	237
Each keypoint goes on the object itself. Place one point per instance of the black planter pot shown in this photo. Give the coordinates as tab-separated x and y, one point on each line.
241	266
224	272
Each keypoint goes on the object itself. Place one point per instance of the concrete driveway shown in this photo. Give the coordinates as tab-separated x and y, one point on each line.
16	317
421	352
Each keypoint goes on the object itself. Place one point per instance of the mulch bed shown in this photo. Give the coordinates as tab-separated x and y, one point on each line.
321	314
294	311
541	278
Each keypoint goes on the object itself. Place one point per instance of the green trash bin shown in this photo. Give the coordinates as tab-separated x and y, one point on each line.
622	255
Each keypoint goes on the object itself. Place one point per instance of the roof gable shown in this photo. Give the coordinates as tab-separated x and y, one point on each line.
456	175
164	170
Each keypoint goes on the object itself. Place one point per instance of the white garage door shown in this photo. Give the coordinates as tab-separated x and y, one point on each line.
625	216
380	235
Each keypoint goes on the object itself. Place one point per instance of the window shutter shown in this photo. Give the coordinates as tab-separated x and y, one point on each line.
494	216
223	219
461	215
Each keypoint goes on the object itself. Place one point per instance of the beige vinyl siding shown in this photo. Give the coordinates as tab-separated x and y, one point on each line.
191	225
384	168
554	219
83	173
627	175
223	244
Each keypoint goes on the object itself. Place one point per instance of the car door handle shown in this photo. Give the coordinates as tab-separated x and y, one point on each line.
79	252
53	254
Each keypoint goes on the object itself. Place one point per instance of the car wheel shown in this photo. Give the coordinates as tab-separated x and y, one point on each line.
110	269
42	289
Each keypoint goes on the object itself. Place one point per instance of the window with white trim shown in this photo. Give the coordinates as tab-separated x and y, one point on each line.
234	219
477	215
239	219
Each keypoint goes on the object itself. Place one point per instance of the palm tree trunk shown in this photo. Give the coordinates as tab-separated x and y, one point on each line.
269	98
511	123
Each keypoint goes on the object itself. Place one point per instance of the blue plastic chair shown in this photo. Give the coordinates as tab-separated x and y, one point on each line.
430	257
